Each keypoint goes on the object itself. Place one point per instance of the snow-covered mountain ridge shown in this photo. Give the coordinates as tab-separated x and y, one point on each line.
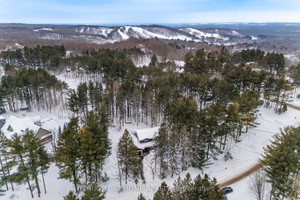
113	34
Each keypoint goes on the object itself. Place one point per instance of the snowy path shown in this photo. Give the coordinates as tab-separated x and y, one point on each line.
252	169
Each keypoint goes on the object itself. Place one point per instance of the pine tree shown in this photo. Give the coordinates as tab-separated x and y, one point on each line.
36	156
71	196
17	154
206	189
2	108
2	192
128	157
163	192
90	155
43	162
98	125
93	193
3	169
161	151
67	153
73	102
182	188
282	161
154	60
141	197
294	194
82	93
174	150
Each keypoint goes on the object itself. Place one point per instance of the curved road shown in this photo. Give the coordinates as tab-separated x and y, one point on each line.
251	170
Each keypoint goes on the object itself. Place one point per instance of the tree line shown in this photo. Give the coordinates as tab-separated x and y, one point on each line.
31	88
48	57
214	100
189	189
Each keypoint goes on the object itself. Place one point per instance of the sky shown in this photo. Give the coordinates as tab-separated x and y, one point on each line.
147	11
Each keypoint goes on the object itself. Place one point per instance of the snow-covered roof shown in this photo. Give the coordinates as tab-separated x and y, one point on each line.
146	133
49	124
142	145
19	125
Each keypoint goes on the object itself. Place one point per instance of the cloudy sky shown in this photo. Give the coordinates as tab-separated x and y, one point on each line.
147	11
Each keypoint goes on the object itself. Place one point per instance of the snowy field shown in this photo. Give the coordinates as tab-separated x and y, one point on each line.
245	154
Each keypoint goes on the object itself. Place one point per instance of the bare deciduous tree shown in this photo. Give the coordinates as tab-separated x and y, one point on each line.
258	184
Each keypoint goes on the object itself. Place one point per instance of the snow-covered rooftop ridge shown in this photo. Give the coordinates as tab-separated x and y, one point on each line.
146	133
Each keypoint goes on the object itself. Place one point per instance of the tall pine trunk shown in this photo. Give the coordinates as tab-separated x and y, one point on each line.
44	182
37	185
4	173
27	179
75	181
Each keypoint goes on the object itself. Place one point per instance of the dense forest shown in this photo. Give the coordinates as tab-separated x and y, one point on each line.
214	100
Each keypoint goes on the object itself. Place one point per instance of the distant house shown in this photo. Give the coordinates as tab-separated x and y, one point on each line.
44	136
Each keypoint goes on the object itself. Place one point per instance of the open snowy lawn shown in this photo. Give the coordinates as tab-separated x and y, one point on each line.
245	154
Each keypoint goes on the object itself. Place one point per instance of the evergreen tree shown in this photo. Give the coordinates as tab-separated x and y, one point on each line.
90	155
82	93
206	189
2	192
71	196
154	60
163	192
43	161
36	157
182	188
141	197
67	153
282	161
161	151
93	193
17	154
98	124
3	157
295	191
73	102
2	108
128	156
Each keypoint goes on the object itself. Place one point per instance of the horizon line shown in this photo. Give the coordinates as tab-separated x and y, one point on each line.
140	24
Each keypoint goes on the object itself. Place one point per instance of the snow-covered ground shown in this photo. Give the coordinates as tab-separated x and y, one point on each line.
245	154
